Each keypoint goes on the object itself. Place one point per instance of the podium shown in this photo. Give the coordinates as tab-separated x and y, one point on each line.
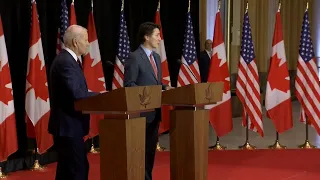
189	128
122	131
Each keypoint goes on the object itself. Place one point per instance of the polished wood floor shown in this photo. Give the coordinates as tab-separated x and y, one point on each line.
291	138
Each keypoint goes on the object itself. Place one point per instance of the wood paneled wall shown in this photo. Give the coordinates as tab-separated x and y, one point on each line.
262	19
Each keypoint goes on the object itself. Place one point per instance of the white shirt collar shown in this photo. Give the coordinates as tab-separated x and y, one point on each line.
72	53
147	51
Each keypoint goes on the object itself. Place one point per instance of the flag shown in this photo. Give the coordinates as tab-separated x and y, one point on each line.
93	72
122	54
189	69
165	109
73	17
307	82
64	24
8	132
278	97
247	84
37	105
220	113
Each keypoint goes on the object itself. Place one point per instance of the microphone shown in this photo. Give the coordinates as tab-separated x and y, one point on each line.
181	62
109	63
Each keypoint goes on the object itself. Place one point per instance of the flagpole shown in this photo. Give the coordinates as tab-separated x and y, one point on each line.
277	144
307	144
218	146
159	148
36	165
247	145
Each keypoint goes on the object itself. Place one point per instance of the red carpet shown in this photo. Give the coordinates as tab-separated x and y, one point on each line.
225	165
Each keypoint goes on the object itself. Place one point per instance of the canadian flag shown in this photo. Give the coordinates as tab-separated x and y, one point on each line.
73	17
93	71
37	103
220	113
278	98
165	110
8	133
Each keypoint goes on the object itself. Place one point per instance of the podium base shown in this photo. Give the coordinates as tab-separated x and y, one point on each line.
189	144
122	157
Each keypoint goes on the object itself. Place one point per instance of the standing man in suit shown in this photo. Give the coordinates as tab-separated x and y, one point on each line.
68	126
204	62
143	68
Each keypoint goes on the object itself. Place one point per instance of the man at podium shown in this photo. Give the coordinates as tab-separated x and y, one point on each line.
143	68
68	126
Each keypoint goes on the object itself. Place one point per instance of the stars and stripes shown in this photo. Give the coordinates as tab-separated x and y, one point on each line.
247	85
306	82
189	70
122	54
64	24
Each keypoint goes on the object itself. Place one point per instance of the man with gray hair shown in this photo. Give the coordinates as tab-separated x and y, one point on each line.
68	126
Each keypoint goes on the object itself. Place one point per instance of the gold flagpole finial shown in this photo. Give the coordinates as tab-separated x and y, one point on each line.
247	7
92	5
159	5
189	7
122	5
219	5
307	5
279	6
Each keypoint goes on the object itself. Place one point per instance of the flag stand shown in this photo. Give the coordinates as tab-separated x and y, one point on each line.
307	144
159	148
247	145
36	165
277	145
217	146
93	150
2	175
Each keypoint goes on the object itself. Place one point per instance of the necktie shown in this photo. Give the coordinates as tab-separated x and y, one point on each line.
153	64
80	65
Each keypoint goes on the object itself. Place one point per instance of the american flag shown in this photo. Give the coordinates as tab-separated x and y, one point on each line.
306	82
123	53
247	86
64	24
189	69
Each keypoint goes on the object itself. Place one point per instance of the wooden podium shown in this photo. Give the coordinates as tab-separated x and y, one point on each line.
122	132
189	128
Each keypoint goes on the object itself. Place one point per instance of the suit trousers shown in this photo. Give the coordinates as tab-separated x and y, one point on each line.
152	129
72	159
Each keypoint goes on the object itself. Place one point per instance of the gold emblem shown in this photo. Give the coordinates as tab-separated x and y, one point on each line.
209	93
145	97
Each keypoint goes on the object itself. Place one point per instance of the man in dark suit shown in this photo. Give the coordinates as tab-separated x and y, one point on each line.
143	68
68	126
204	62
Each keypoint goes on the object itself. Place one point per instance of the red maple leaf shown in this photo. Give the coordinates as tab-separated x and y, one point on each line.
37	78
5	79
93	74
219	73
278	74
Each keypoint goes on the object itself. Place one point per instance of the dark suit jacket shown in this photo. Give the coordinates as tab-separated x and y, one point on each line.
67	84
204	65
138	71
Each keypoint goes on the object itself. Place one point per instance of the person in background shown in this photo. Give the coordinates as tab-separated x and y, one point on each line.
204	61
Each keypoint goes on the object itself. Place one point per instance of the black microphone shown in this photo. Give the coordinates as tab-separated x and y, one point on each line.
181	62
109	63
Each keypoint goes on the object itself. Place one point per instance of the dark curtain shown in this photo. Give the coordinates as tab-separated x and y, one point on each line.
16	23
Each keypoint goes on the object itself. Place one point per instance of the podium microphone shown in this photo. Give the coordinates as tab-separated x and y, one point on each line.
181	62
109	63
